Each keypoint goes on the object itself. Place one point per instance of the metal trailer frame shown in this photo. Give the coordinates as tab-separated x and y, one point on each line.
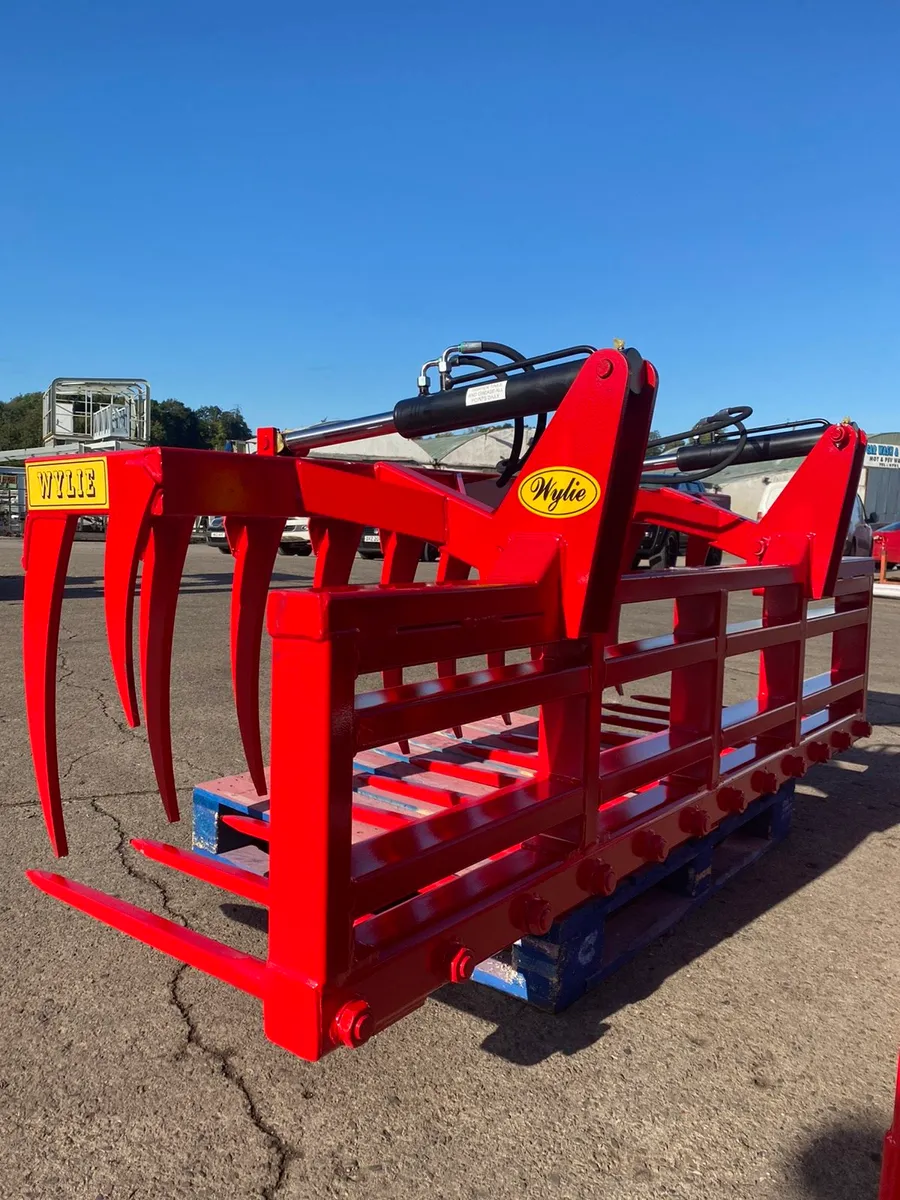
102	410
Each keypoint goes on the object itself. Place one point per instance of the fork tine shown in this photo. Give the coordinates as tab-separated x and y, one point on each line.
126	536
48	543
163	564
255	542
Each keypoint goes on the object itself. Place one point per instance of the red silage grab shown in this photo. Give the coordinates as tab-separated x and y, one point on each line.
369	914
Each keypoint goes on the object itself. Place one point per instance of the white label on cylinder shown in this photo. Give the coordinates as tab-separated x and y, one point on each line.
486	393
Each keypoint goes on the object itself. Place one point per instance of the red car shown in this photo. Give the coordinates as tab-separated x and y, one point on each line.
889	537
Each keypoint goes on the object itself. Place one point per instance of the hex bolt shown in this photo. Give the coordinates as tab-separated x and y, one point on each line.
604	368
731	799
532	914
794	765
353	1024
841	739
764	782
462	964
695	820
818	752
861	729
650	846
596	877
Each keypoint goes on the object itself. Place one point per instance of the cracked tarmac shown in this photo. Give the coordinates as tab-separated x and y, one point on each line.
749	1053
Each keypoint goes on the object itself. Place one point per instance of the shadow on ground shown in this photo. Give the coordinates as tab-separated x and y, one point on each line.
818	841
90	587
842	1161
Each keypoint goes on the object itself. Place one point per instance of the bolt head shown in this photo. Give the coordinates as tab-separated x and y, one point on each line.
764	782
818	752
595	877
353	1024
695	821
794	765
532	914
462	964
604	368
650	846
731	799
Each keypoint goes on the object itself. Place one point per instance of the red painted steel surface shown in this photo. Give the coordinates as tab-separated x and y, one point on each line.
424	826
886	542
890	1162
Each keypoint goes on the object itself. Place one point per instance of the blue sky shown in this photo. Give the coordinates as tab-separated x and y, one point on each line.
289	207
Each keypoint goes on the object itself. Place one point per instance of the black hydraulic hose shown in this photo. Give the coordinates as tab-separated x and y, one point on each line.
512	463
496	369
537	360
730	448
720	420
793	444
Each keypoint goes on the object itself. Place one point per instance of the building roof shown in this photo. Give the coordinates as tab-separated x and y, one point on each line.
443	443
392	447
480	450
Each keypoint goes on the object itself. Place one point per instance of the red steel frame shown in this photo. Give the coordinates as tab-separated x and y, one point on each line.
364	921
890	1162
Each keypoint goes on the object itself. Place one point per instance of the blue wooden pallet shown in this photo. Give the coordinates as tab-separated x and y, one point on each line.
592	941
212	837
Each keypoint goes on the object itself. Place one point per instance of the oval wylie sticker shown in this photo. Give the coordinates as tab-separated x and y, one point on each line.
559	492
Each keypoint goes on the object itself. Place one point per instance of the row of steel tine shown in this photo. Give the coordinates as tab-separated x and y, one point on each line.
138	538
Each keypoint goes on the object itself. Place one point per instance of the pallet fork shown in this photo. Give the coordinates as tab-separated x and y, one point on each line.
369	914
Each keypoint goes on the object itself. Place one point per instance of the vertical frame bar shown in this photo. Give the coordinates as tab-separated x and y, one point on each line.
696	697
310	914
781	668
850	649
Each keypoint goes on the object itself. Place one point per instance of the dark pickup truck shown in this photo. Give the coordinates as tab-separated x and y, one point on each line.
660	547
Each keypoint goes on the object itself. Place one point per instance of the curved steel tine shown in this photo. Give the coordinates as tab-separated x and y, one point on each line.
127	528
164	558
255	542
48	543
335	544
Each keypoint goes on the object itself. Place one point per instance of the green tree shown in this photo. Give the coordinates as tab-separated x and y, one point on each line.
221	425
20	421
174	424
664	447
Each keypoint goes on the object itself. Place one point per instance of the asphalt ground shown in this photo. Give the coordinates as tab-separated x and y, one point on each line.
748	1053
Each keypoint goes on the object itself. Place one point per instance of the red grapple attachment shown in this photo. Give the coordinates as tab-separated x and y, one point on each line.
441	818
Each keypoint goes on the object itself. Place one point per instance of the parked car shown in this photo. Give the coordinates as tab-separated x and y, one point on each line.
859	531
294	539
215	534
889	537
370	546
663	546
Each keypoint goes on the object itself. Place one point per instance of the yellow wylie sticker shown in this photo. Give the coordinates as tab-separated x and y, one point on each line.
559	492
67	483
